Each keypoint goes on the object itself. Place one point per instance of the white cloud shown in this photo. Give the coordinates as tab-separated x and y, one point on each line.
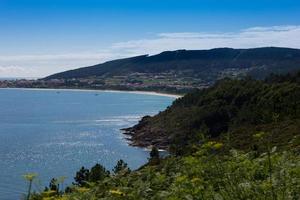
15	71
42	65
282	36
58	57
272	28
189	35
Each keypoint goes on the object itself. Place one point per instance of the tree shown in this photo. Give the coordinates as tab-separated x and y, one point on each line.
53	185
98	173
121	167
154	156
68	190
82	176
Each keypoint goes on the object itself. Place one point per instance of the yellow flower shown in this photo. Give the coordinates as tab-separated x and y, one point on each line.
259	135
48	198
213	145
208	144
181	179
116	192
217	146
61	198
82	189
49	193
196	180
30	176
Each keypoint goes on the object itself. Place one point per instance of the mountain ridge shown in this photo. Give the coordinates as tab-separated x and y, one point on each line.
272	58
173	72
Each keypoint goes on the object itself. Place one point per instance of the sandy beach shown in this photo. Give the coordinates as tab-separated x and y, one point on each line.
91	90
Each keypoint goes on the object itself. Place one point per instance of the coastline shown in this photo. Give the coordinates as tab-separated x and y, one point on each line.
175	96
130	138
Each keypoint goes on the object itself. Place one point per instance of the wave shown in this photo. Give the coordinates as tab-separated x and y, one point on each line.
125	118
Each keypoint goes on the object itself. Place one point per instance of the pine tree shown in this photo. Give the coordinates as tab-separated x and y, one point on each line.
121	167
53	185
154	156
98	173
82	176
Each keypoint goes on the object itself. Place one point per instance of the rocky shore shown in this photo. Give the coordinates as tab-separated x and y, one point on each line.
143	135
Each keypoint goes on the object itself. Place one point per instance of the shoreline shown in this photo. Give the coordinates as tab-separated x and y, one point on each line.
95	90
129	139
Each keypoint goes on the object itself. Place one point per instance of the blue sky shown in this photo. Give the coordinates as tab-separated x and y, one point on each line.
40	37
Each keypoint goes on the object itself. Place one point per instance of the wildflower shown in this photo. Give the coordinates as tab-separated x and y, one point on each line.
30	176
63	198
196	180
82	189
181	179
213	145
259	135
49	193
48	198
217	146
209	144
116	192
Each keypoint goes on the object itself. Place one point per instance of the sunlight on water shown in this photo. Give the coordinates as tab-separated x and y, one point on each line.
54	134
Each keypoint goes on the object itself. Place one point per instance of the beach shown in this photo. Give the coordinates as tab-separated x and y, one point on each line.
91	90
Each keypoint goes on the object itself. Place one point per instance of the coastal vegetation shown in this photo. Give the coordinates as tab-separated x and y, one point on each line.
230	112
205	174
236	140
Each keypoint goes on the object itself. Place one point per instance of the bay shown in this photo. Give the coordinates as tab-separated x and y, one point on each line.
55	132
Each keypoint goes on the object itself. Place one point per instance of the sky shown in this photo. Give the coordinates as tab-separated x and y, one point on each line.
41	37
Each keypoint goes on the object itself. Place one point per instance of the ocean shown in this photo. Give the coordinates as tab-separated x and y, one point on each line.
55	132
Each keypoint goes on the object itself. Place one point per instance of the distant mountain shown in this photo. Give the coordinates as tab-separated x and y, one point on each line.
206	64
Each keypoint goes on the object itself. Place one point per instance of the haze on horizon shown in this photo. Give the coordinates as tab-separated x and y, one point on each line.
38	38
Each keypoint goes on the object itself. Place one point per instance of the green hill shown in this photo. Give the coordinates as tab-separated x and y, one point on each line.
236	140
203	63
230	111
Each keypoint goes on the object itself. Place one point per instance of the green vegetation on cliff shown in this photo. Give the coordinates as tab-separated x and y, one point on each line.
230	111
205	174
236	140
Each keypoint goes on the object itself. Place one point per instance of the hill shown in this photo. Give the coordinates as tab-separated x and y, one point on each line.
178	72
195	62
236	140
230	111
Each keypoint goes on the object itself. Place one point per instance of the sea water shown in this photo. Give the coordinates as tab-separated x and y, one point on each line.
55	132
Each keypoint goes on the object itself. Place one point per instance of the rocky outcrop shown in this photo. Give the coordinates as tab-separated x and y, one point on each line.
143	135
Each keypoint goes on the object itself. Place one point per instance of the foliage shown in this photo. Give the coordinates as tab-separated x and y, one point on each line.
154	156
82	176
53	185
98	173
230	111
206	174
120	167
236	140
